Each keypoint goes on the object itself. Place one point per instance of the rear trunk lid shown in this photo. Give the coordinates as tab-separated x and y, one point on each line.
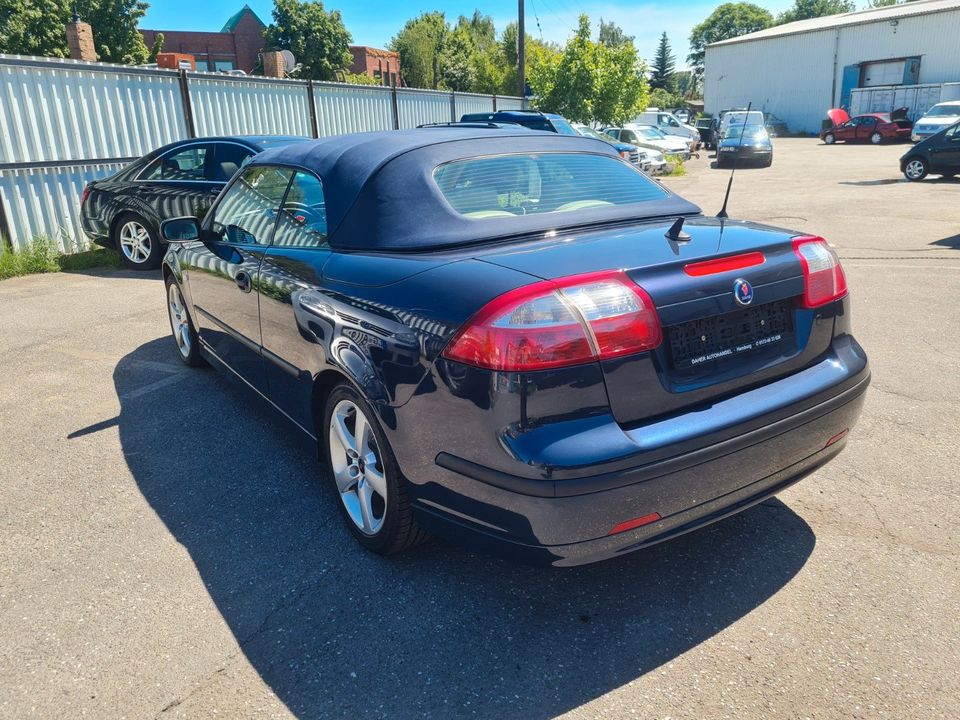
713	346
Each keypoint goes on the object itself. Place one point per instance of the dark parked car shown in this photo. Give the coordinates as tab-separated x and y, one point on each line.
532	119
705	128
507	338
938	154
745	143
872	127
124	211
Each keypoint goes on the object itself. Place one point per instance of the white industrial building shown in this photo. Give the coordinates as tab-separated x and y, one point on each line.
906	55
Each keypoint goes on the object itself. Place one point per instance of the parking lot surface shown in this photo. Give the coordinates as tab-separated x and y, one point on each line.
169	548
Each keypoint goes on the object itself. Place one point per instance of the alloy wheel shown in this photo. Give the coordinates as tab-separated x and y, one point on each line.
914	169
876	138
829	138
357	467
179	319
135	242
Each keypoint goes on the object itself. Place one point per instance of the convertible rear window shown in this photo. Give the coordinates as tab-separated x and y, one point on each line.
525	184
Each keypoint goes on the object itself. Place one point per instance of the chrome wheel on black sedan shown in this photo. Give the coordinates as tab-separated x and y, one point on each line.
373	497
137	243
357	467
181	326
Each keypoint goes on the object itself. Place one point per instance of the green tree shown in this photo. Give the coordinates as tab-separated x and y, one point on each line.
457	60
114	24
33	27
687	85
612	34
36	27
727	21
420	44
804	9
157	48
886	3
589	81
661	74
317	38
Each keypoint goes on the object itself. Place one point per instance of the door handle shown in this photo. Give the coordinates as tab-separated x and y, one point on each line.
243	281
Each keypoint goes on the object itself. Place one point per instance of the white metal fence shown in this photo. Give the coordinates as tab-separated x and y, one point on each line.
64	123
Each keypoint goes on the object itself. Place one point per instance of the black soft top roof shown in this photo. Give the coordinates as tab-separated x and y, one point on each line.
380	193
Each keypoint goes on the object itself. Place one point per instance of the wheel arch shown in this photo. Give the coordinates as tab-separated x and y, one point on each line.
323	384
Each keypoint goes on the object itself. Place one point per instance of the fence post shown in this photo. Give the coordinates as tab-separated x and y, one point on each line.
314	126
453	106
396	109
494	102
187	107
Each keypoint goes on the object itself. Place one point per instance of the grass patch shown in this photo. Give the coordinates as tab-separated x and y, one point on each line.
43	255
676	166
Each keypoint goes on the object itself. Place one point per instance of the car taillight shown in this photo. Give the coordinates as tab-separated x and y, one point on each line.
83	196
555	323
823	277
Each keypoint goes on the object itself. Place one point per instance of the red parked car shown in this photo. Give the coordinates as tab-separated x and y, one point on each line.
873	127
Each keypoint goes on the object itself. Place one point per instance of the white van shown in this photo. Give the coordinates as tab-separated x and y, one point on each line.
667	123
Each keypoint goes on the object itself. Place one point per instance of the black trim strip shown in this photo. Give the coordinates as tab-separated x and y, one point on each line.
609	481
41	164
291	370
239	337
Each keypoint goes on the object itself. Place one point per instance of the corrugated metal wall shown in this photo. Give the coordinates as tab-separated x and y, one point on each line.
46	202
798	77
60	110
469	103
416	107
352	108
242	107
64	123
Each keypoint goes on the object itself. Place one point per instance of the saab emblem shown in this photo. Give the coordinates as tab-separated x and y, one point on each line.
742	292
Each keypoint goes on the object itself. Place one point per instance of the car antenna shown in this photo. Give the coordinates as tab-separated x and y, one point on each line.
676	233
723	211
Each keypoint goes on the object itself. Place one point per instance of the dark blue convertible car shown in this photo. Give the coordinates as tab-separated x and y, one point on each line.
517	339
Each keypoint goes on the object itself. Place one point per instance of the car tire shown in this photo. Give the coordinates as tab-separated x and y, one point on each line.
768	162
916	169
829	139
137	242
384	525
181	325
876	138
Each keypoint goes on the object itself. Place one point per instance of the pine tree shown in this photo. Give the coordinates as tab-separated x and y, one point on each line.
661	74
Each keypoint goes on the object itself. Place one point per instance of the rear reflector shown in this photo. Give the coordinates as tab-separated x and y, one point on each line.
635	523
838	437
823	276
557	323
721	265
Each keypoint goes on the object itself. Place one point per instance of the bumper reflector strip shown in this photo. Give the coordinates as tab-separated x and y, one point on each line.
836	438
635	523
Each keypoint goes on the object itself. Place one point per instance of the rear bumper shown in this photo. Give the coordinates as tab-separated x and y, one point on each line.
566	522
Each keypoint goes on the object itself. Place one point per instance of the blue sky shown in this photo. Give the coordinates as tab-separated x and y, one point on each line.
375	23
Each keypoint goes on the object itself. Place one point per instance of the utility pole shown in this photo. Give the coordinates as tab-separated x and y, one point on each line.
521	51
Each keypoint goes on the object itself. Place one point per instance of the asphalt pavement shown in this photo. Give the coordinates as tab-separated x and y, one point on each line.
169	548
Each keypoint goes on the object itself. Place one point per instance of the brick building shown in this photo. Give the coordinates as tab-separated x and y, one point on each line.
383	65
240	42
236	46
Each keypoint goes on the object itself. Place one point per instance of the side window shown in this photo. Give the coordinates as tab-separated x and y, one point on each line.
953	133
247	213
185	164
227	159
303	218
629	136
868	121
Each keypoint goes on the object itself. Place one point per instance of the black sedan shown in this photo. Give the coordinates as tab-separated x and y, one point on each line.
745	144
938	155
516	339
124	211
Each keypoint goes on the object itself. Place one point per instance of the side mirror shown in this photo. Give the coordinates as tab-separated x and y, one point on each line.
180	230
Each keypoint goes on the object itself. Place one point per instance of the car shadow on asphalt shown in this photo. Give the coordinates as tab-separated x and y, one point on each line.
438	631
